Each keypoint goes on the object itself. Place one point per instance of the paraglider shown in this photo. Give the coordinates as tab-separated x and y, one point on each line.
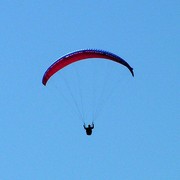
83	55
89	129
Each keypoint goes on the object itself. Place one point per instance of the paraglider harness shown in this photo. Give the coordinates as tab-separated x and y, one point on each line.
89	128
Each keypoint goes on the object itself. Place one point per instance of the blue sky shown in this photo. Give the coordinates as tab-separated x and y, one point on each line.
137	133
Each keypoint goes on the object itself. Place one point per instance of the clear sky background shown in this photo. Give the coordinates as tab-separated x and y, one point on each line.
137	134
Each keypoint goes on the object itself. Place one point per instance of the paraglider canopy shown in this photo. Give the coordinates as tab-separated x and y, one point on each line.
82	55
